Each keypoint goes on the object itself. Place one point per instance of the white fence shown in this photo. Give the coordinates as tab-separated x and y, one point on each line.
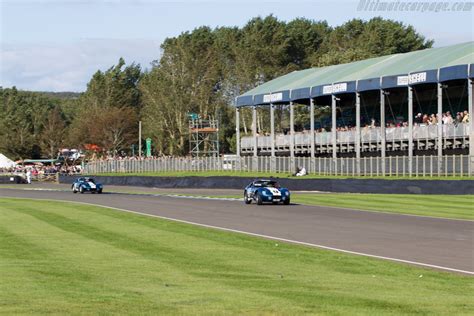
428	166
396	138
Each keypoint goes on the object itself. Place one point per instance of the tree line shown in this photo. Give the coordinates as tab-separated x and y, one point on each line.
199	71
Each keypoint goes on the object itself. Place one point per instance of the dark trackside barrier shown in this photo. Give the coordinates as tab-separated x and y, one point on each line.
326	185
11	179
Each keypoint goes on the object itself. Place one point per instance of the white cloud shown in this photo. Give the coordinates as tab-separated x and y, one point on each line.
68	67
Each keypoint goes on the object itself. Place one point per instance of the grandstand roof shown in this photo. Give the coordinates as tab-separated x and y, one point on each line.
453	62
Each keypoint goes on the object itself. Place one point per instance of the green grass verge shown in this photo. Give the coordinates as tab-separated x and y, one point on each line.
271	174
64	258
445	206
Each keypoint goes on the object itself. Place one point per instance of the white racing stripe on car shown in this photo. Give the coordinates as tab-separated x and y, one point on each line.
274	191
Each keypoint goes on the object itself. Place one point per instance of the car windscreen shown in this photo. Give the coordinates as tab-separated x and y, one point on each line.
267	184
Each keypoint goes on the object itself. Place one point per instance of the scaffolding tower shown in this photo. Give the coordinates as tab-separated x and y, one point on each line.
203	136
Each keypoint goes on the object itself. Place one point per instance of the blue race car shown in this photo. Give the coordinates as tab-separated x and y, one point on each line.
86	185
266	191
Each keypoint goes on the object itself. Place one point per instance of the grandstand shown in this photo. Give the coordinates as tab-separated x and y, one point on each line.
376	107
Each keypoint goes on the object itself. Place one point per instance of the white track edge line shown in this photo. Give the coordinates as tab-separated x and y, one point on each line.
267	236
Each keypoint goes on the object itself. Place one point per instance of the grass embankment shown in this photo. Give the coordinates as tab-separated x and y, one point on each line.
66	258
250	174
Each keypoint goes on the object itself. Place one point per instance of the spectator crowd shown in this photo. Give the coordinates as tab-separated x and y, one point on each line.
38	170
419	120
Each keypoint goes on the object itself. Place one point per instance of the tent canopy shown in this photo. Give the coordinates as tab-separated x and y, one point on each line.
5	162
50	161
423	66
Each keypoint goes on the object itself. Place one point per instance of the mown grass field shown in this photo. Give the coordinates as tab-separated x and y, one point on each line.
65	258
252	174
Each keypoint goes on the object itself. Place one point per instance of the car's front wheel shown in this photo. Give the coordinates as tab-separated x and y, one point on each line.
287	201
99	191
246	199
259	199
81	190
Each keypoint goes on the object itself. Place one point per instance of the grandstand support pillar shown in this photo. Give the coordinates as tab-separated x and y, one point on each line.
357	140
292	136
440	128
311	122
292	130
272	137
382	130
254	130
410	131
333	128
471	124
237	130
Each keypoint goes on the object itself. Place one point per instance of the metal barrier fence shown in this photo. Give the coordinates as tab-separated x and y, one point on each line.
417	166
47	177
367	136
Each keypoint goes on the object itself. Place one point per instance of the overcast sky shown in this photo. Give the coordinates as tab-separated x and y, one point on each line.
48	45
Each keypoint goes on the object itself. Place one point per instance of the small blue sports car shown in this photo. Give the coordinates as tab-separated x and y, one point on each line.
262	191
86	185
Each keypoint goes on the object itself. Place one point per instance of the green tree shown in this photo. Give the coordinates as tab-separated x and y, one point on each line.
185	80
52	136
22	119
358	39
200	71
107	113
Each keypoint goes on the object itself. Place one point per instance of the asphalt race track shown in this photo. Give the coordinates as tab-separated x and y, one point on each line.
437	243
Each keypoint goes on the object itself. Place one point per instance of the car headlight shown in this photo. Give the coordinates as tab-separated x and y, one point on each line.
287	193
264	193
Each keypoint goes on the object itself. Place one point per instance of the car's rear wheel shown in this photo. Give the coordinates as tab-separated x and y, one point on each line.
246	199
259	199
